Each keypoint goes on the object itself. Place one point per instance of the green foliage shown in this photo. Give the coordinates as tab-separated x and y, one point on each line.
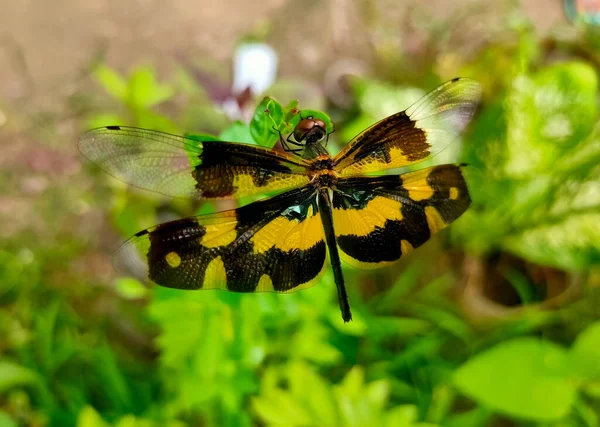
226	342
536	195
267	118
524	377
534	379
88	417
585	353
309	399
237	132
138	94
559	104
12	375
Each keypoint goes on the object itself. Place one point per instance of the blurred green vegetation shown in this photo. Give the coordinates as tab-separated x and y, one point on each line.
493	323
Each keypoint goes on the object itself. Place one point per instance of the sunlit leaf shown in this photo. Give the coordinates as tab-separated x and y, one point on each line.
524	377
585	353
112	82
320	400
145	91
237	132
201	137
104	119
130	288
280	408
88	417
13	375
6	420
319	115
267	118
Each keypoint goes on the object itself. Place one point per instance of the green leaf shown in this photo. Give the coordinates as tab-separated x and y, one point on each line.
13	375
524	378
130	288
353	383
280	408
402	416
112	82
104	120
145	91
319	115
291	117
132	421
267	117
201	137
88	417
390	326
585	353
291	109
237	132
319	401
113	380
358	326
311	343
6	420
477	417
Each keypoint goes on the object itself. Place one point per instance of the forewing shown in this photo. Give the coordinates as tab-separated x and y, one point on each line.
379	219
272	245
182	167
413	135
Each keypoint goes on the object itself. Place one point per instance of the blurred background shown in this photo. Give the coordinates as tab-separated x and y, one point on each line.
494	322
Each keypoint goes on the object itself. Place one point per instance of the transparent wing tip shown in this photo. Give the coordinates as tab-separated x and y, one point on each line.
130	259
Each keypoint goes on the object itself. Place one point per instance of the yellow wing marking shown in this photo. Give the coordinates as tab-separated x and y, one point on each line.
420	190
265	284
406	247
173	259
454	193
244	183
215	276
375	164
362	222
219	235
435	222
361	264
289	235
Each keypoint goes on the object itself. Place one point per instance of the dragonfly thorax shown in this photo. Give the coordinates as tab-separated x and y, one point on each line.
321	172
316	150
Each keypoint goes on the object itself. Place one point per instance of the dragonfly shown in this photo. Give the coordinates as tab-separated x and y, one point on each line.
326	209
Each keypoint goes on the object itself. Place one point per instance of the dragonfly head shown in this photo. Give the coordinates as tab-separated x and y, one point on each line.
310	130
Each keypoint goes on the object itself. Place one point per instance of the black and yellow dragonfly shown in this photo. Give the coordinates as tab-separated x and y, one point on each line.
325	205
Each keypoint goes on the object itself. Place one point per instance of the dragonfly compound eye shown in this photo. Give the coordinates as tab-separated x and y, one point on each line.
310	130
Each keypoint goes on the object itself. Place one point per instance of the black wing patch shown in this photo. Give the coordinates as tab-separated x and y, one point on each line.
182	167
379	219
414	135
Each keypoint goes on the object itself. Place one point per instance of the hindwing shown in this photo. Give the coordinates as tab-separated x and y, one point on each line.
272	245
380	219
